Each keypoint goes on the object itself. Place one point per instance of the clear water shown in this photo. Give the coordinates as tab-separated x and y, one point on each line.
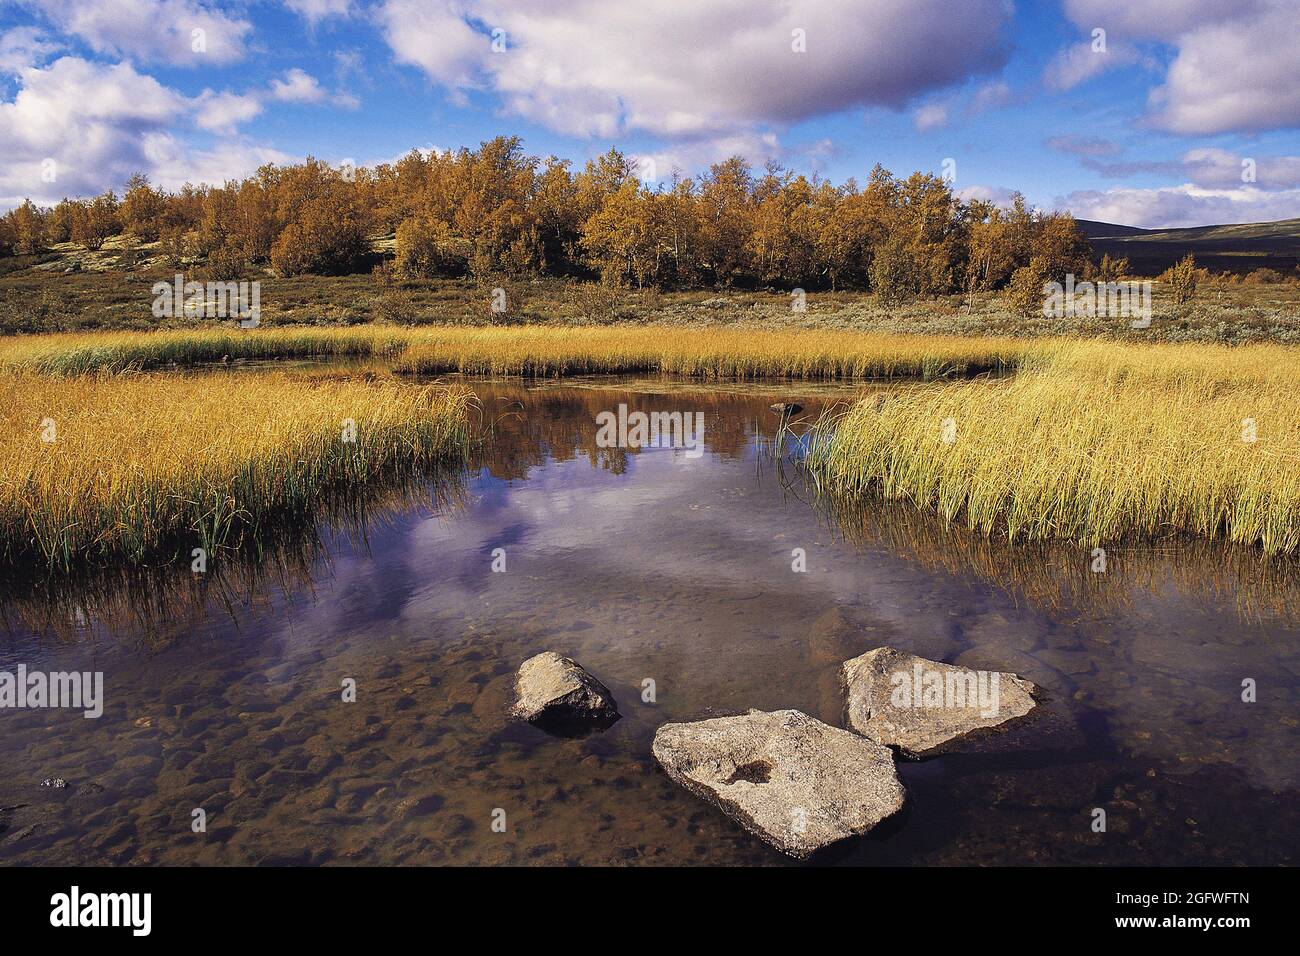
225	694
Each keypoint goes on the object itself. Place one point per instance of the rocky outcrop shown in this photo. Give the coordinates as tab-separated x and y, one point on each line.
555	691
791	780
922	707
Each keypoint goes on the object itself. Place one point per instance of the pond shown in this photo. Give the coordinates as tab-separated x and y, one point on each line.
671	576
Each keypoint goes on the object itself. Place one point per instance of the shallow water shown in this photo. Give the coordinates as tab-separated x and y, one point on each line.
225	695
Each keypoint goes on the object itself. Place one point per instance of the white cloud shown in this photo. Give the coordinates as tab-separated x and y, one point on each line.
171	163
686	157
1155	19
298	86
685	68
1183	205
313	11
1079	63
931	116
99	123
1239	75
1212	167
222	112
151	30
1207	167
994	194
1234	65
22	47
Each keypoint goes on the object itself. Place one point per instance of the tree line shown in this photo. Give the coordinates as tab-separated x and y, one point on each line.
498	210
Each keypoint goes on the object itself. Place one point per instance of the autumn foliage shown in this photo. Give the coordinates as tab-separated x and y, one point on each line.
497	210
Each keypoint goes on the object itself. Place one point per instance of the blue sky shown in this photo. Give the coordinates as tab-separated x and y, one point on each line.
1181	112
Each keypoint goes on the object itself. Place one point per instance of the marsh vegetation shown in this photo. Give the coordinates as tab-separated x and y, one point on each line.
104	469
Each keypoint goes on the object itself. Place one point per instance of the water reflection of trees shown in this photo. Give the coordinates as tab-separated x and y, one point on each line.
529	427
1057	576
157	604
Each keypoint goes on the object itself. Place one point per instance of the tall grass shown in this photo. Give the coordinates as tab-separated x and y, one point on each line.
731	352
734	352
1091	442
140	463
77	353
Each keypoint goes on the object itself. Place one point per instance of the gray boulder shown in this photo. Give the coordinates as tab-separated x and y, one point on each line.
551	689
792	781
922	706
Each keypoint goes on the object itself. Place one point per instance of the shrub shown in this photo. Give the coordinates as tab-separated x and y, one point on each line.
424	250
1182	278
174	247
1264	277
93	222
395	305
891	273
1111	270
226	263
1025	290
142	209
328	238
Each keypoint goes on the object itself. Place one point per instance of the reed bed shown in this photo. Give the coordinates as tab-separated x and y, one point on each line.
731	352
79	353
96	469
1090	442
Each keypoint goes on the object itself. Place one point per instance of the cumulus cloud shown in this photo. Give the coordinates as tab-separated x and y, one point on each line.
223	112
22	47
299	86
1238	75
1184	205
313	11
1234	63
1156	19
172	163
1224	169
997	195
685	68
101	122
683	157
166	31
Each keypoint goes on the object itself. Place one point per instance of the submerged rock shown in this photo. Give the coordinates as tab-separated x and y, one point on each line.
832	639
791	780
786	409
554	690
921	706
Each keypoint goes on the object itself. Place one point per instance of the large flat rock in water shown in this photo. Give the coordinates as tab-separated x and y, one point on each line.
922	706
789	779
551	689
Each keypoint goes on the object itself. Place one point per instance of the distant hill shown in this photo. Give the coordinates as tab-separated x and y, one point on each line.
1240	248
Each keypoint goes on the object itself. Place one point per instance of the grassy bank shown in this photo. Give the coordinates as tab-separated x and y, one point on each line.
134	468
79	353
729	353
104	296
737	351
1091	442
